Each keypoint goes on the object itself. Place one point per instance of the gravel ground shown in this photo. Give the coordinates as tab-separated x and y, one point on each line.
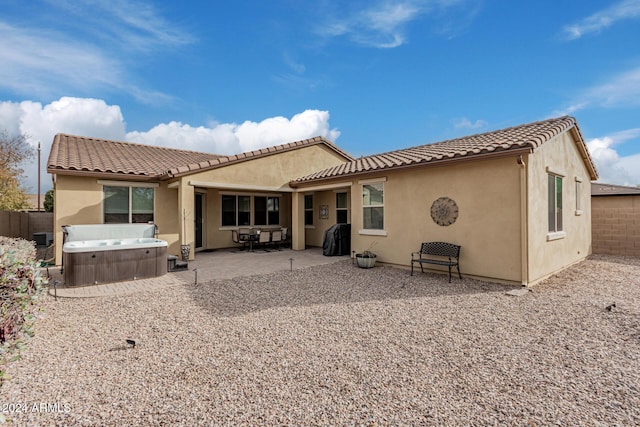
338	345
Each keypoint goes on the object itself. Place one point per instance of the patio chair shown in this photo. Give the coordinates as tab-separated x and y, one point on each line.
285	236
244	235
236	239
276	238
264	238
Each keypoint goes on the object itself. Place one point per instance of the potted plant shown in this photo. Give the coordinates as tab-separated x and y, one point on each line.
366	259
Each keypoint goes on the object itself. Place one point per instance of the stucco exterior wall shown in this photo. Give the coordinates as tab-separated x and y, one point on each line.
78	200
616	225
487	193
546	254
250	178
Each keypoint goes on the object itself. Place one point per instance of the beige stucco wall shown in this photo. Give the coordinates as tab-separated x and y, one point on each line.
488	226
546	257
616	225
78	200
251	177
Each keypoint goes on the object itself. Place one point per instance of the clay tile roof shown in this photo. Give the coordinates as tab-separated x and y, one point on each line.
100	156
599	189
79	155
524	137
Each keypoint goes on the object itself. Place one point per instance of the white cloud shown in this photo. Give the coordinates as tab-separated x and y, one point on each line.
132	25
465	123
383	24
626	9
95	118
620	91
232	138
76	116
612	168
100	51
34	61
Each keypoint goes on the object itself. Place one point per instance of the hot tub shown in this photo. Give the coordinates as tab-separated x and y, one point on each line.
105	260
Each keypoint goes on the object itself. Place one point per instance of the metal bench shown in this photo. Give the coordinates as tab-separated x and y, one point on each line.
447	254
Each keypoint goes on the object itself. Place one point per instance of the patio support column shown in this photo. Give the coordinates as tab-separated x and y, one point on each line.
186	205
297	221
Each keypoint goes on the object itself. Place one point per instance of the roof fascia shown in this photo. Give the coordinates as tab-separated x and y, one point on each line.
102	175
433	163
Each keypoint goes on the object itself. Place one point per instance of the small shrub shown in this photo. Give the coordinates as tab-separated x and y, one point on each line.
20	287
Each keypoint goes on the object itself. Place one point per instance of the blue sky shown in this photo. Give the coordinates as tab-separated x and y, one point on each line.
372	76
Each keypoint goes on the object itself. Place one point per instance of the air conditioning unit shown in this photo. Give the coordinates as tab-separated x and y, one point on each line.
43	238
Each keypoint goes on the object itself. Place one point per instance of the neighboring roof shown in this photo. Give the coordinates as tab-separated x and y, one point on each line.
518	139
599	189
77	155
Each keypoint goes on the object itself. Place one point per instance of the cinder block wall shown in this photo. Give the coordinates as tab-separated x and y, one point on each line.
616	225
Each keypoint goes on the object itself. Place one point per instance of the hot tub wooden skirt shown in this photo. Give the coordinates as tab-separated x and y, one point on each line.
96	267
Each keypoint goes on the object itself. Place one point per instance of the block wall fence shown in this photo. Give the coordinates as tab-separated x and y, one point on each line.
616	225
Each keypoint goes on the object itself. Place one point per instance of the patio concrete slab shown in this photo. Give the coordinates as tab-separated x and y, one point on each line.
211	266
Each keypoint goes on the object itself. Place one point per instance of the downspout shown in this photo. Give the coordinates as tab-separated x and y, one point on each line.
524	224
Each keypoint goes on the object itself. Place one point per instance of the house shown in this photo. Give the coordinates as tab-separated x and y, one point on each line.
194	198
615	226
517	200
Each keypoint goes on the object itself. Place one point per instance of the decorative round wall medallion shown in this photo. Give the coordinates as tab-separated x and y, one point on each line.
444	211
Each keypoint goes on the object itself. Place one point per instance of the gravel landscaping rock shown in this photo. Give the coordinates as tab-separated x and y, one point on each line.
338	345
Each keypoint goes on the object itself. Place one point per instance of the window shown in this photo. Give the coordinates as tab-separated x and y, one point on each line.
555	203
127	204
229	210
308	209
578	196
342	208
244	210
373	206
236	210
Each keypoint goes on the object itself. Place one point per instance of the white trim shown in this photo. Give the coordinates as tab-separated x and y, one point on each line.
337	185
554	172
578	179
556	235
579	212
372	180
373	232
245	187
109	183
173	185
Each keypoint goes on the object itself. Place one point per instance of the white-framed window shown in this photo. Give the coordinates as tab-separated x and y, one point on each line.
342	208
122	204
373	206
578	196
248	210
308	209
555	203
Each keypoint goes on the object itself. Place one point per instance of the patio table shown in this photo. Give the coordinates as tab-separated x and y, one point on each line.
250	237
